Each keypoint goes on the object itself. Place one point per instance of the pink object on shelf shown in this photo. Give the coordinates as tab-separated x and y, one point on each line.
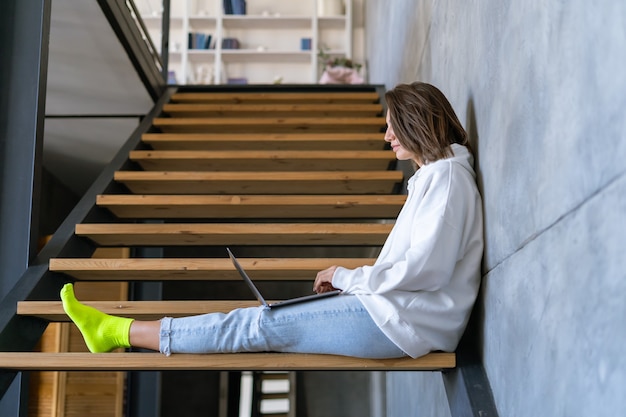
340	75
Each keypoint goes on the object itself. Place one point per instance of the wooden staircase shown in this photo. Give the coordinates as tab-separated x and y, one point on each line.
294	181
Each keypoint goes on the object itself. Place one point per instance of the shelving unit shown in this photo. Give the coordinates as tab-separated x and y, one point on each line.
270	39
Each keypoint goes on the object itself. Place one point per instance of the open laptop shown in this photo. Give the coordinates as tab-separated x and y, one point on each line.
277	304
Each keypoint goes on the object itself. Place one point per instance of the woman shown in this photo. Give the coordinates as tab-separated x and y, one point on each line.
416	298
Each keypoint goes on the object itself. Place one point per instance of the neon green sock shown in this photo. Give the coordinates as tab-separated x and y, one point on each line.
102	332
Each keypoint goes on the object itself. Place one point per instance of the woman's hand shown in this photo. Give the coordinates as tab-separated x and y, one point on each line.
324	280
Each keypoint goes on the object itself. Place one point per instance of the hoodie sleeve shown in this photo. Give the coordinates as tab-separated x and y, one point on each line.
429	261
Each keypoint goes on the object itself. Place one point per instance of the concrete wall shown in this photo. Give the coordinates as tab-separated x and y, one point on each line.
541	87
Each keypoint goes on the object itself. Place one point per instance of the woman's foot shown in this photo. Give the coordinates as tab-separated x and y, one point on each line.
102	332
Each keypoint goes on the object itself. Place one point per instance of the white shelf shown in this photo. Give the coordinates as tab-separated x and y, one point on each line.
332	22
251	55
201	55
267	22
203	21
270	38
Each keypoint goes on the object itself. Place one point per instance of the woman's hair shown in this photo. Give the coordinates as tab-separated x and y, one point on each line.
423	121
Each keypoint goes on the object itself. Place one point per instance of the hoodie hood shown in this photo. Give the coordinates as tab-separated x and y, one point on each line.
461	156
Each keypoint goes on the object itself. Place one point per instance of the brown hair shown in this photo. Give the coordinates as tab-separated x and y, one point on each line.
424	121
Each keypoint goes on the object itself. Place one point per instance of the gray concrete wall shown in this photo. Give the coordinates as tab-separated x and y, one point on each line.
541	86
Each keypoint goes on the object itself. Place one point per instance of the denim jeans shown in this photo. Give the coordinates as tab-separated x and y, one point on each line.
337	325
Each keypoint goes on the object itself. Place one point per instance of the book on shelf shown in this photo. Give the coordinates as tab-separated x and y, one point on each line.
234	7
197	40
305	44
237	80
230	43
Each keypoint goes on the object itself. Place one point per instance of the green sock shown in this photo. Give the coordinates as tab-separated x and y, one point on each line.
102	332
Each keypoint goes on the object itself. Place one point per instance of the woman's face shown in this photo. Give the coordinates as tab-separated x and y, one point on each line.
401	153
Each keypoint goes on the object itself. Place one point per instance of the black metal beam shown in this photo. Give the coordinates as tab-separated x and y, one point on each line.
165	38
15	403
24	39
468	389
280	88
24	36
467	386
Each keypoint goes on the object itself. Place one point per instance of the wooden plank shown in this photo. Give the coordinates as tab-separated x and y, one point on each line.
278	97
222	234
272	110
140	310
219	362
270	124
253	206
265	141
276	183
168	269
263	160
47	388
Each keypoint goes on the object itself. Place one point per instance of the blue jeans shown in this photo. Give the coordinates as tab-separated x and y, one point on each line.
337	325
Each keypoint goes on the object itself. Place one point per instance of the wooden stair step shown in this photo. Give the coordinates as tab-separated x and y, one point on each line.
272	110
269	124
25	361
263	160
265	141
252	206
328	97
311	182
223	234
168	269
140	310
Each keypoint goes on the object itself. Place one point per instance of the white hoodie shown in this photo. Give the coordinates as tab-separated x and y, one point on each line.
421	289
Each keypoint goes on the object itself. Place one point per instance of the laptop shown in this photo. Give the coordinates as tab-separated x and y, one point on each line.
277	304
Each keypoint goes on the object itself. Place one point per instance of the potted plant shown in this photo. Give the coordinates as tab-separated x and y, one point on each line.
339	69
